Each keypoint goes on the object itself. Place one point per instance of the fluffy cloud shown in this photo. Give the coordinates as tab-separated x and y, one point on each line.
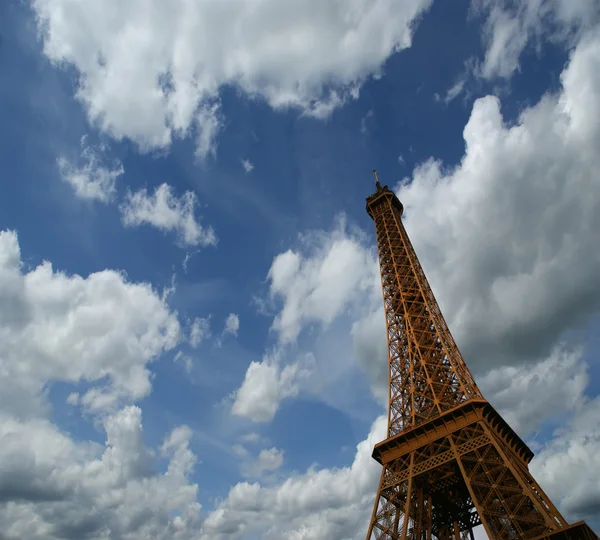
331	281
266	384
251	438
165	211
151	71
511	26
326	503
53	327
553	387
330	272
102	331
60	489
232	325
520	214
94	178
267	461
369	341
511	290
564	467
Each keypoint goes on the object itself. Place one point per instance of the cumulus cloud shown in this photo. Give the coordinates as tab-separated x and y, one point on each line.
61	489
527	395
54	327
520	214
510	26
266	384
329	274
369	342
329	279
564	466
167	212
267	461
314	284
330	282
94	178
152	71
511	287
325	503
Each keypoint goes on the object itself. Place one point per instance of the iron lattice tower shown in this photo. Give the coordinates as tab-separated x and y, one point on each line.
450	461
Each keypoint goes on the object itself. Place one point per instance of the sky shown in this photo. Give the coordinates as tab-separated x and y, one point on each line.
192	340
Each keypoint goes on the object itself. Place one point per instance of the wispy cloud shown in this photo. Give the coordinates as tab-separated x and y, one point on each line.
94	178
167	212
453	92
248	165
364	128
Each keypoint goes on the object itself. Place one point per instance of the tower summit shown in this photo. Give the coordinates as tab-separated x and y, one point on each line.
450	461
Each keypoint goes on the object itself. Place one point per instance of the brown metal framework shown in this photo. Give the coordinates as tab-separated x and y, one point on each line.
450	462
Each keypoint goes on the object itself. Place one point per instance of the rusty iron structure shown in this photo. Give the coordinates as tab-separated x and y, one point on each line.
450	461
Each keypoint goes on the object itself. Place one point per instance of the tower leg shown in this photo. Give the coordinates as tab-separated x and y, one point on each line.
447	486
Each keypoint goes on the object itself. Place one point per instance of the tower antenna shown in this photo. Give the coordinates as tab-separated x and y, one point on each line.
376	179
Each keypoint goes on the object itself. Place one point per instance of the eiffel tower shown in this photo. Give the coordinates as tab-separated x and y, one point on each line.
450	461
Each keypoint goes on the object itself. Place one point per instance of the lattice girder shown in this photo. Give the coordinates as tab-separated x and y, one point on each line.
448	486
427	373
450	462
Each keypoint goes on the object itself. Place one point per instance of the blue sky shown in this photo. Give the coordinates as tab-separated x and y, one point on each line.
489	142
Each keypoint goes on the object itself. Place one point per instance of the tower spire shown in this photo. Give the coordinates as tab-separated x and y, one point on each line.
377	184
450	461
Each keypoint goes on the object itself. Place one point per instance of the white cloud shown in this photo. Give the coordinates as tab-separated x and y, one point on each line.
521	270
369	342
103	331
318	283
331	281
239	450
506	35
232	325
230	328
510	27
326	503
454	91
511	287
60	489
251	438
266	384
199	331
151	71
364	130
268	460
185	360
53	327
165	211
208	123
94	179
565	466
528	395
248	166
